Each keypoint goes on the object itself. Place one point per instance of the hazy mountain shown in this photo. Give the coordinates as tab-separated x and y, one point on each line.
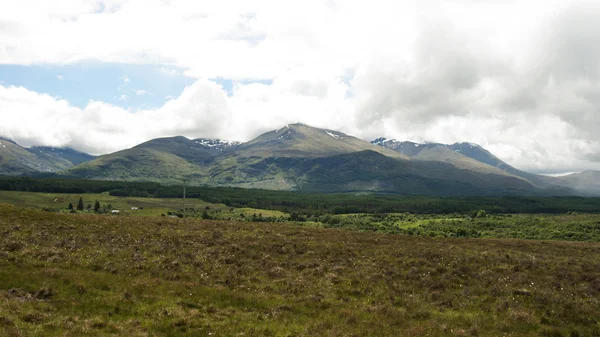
466	154
17	160
60	158
587	181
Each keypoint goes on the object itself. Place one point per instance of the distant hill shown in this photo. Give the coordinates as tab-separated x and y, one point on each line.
301	157
466	154
587	181
17	160
298	157
303	141
61	158
168	160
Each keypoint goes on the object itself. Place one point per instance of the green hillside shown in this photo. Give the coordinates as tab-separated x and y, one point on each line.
138	164
300	157
60	158
467	156
16	160
303	141
166	160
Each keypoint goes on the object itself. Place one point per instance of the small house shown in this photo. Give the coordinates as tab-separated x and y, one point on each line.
134	208
115	211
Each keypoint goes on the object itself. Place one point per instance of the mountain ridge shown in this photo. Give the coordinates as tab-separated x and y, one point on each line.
18	160
301	157
472	151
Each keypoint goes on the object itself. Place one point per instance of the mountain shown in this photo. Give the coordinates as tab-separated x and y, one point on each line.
587	181
305	158
216	144
407	148
301	157
17	160
60	158
466	154
277	159
168	160
479	153
443	153
372	171
303	141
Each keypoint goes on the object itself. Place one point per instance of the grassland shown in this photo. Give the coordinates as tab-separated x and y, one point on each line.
569	227
93	275
60	201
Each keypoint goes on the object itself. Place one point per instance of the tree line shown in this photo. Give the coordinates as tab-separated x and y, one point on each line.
310	204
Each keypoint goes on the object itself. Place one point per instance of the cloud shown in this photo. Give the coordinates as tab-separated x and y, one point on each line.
141	92
519	77
60	77
123	98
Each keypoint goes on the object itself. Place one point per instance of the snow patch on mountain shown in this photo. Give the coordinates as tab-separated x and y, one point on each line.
216	144
332	135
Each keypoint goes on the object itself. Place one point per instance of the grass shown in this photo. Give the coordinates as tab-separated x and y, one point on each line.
568	227
151	206
84	274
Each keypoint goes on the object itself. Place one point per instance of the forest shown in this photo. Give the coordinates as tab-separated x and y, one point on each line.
311	204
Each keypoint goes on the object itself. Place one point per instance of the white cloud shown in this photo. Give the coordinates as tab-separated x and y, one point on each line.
123	98
519	77
60	77
141	92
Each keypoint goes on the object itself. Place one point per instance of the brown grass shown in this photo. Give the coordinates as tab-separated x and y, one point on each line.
75	274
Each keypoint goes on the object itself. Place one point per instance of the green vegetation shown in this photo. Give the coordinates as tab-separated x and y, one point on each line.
94	275
424	216
304	158
309	204
103	203
569	227
16	160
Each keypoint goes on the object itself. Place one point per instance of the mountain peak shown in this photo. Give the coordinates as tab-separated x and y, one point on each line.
216	144
7	140
469	144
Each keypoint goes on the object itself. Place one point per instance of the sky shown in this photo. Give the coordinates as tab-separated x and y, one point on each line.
520	78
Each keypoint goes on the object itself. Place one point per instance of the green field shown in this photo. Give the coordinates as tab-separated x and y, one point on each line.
60	201
568	227
67	274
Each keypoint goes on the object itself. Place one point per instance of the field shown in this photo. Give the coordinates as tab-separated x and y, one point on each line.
67	274
60	201
570	227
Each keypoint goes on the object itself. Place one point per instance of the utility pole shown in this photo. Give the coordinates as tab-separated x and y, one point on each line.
184	211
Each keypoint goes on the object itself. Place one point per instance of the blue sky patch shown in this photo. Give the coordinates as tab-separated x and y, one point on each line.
129	86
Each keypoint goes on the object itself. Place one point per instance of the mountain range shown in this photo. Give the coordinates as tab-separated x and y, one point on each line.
304	158
17	160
